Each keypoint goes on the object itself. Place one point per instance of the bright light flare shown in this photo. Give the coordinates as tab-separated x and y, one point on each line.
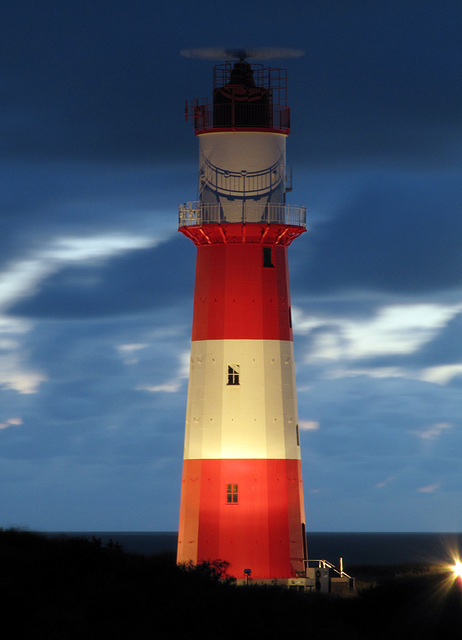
453	570
457	569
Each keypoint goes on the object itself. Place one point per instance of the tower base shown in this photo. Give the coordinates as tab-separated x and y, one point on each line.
244	512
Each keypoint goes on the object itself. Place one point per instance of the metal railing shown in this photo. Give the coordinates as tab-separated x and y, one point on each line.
208	117
324	564
199	213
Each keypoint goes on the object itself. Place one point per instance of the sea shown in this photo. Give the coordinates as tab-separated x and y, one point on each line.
355	548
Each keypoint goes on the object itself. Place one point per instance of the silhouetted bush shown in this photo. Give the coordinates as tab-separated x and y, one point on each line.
64	588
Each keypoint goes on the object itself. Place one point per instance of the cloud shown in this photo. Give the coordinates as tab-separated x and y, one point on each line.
437	360
400	100
399	235
21	278
393	330
443	374
431	488
386	482
106	83
176	383
433	431
129	352
138	280
11	422
308	425
96	293
445	349
16	374
85	82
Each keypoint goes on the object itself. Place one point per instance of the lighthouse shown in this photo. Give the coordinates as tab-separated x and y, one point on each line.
242	493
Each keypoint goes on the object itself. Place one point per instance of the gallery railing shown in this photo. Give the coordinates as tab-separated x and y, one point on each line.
199	213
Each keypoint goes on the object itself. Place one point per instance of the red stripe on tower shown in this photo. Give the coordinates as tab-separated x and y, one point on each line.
242	494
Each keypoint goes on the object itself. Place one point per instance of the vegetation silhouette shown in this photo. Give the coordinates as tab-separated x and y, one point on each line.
64	588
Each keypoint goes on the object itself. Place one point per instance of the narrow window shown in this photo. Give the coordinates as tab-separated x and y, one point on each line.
231	494
233	374
298	435
290	317
267	257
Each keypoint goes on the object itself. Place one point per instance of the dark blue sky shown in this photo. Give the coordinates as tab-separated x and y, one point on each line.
96	284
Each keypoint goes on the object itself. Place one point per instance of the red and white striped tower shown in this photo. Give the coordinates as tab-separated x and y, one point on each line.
242	494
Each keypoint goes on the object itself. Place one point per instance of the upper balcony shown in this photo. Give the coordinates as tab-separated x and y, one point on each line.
244	222
199	213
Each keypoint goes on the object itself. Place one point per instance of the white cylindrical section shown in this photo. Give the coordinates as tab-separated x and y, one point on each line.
242	166
242	400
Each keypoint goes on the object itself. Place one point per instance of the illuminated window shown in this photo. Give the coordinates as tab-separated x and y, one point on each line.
231	494
267	257
233	374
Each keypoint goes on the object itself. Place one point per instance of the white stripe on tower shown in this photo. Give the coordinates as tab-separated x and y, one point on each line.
248	413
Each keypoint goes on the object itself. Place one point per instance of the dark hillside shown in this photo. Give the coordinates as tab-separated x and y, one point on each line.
68	588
